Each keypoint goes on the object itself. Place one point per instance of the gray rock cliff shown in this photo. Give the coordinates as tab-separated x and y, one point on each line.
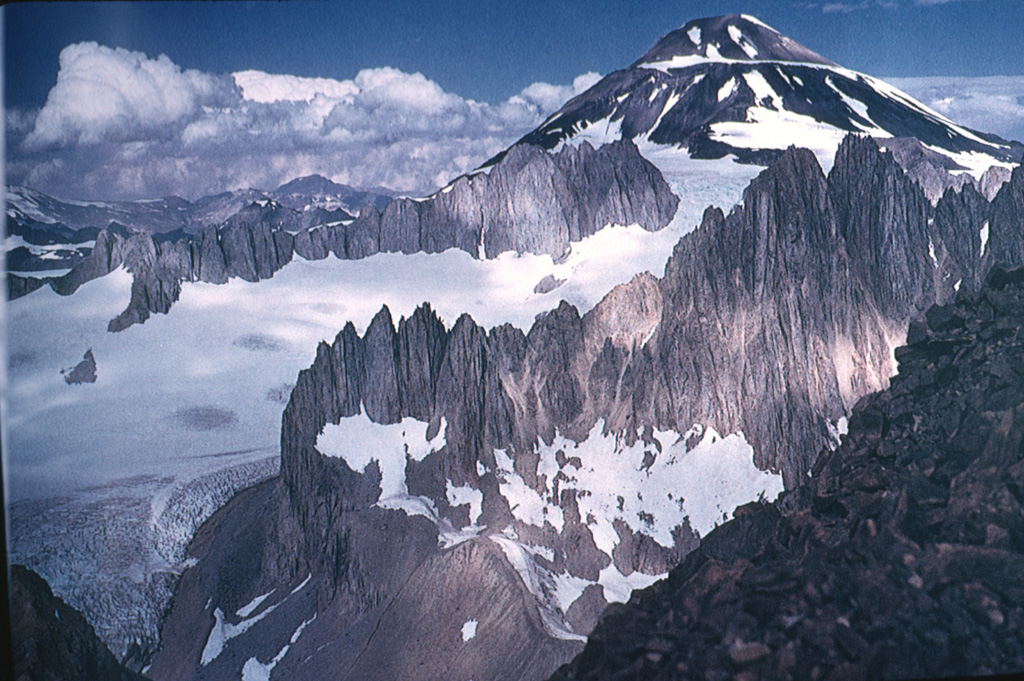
532	202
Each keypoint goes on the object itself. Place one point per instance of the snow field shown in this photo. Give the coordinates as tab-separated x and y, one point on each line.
652	488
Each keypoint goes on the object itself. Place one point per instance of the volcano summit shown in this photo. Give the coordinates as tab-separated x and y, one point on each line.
732	85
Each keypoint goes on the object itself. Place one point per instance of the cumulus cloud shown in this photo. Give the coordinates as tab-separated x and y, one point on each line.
119	124
258	86
115	94
990	104
549	97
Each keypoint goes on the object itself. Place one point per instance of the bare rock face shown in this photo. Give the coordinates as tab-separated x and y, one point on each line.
531	202
899	560
52	640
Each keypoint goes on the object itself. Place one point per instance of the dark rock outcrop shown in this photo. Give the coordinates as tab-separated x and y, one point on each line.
18	286
51	640
83	372
901	559
532	202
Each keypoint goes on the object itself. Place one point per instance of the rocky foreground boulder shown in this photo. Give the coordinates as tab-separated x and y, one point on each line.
902	558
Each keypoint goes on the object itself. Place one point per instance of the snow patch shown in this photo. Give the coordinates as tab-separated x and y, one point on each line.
541	583
359	442
984	238
762	90
597	133
458	496
301	586
770	129
931	252
254	670
524	501
837	430
251	606
653	488
694	35
224	631
741	40
618	587
45	251
727	89
754	20
469	630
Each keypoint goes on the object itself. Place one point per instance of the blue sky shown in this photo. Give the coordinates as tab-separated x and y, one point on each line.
481	60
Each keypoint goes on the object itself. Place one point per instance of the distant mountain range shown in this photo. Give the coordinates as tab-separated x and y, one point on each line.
55	234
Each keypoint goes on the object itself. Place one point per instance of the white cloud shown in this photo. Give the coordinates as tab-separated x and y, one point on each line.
990	104
114	94
549	97
258	86
119	124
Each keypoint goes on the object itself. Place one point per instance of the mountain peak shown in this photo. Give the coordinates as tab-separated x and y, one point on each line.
732	37
310	183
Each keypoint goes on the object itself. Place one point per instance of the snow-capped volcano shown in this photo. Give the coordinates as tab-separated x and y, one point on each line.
732	85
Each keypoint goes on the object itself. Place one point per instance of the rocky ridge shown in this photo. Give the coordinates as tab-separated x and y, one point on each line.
772	320
803	290
532	202
902	558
